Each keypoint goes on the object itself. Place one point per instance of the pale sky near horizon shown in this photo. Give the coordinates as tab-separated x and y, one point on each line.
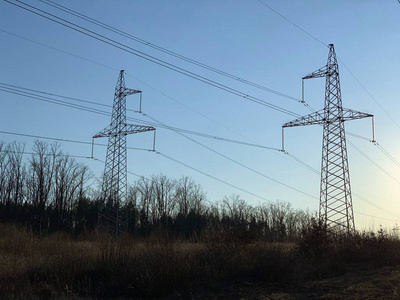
244	38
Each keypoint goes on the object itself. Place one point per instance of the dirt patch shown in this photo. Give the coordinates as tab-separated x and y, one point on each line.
358	283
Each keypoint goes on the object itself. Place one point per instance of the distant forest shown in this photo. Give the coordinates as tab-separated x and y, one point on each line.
50	192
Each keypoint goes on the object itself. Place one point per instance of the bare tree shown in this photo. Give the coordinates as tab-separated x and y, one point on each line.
237	209
164	196
69	179
189	196
17	173
40	180
144	202
4	166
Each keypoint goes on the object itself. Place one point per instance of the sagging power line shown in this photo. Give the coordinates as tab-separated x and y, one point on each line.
159	124
38	95
294	158
164	50
130	50
344	65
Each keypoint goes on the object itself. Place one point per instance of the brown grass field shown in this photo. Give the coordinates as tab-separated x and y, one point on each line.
92	267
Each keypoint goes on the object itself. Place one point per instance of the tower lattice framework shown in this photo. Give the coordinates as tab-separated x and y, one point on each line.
336	207
114	186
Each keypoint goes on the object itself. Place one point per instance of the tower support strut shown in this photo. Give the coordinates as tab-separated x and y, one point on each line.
335	207
114	186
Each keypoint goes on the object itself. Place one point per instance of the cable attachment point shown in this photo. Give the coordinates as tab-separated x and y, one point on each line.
283	151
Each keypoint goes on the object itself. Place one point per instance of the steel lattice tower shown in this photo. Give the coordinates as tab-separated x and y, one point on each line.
335	208
114	187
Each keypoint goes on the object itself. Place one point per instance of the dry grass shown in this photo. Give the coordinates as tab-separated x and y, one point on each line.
101	267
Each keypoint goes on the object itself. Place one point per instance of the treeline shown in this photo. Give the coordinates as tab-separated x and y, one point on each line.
46	193
52	192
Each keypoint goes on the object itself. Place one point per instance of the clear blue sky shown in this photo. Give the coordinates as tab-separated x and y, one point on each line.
244	38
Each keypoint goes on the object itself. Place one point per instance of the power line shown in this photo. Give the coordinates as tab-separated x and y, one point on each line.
16	91
201	172
387	154
137	79
383	150
374	205
179	162
188	166
164	50
59	50
171	98
59	96
295	25
64	140
7	1
294	158
150	58
379	146
46	154
368	158
191	109
105	105
235	161
176	130
358	136
372	161
158	124
351	73
375	217
370	95
355	194
303	163
158	91
89	143
379	167
213	177
54	101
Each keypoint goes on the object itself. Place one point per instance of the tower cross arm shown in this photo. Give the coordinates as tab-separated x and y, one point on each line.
131	91
130	129
314	118
127	129
123	92
349	114
106	132
322	72
317	118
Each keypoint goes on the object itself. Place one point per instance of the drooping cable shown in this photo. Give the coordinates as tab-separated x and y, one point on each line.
235	161
147	57
63	140
16	91
324	44
164	50
373	162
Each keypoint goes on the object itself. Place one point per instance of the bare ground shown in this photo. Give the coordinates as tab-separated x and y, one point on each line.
357	283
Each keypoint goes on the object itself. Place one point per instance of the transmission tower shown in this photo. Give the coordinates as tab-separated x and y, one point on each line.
335	208
114	187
